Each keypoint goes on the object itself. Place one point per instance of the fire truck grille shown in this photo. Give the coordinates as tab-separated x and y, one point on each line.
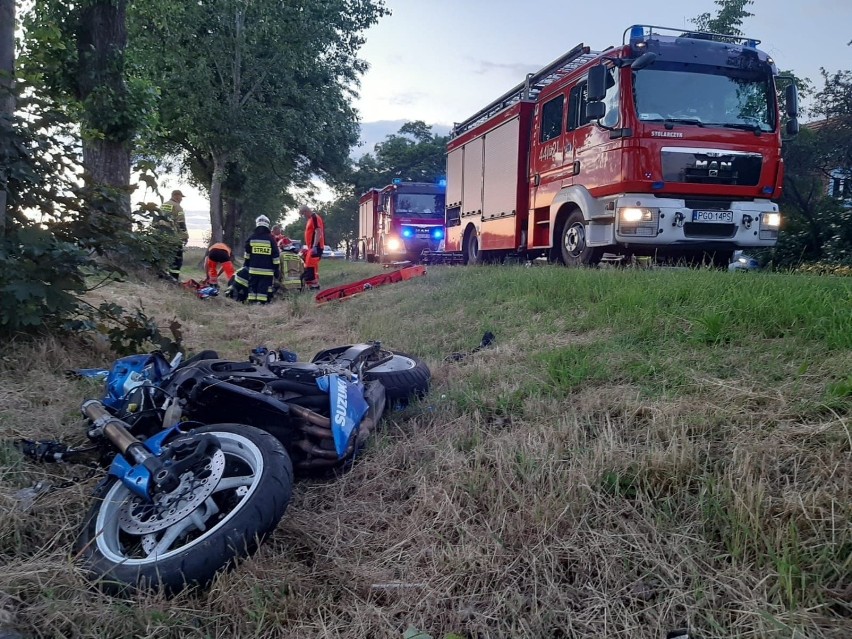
711	168
703	229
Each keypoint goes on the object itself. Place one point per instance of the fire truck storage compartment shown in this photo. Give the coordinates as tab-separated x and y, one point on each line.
472	179
500	192
367	218
454	177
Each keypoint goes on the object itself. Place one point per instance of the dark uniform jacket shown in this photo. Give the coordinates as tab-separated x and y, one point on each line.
262	255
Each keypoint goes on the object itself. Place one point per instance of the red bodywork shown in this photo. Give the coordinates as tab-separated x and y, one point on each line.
401	220
527	215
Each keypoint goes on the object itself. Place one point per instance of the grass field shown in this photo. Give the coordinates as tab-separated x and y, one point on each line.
639	451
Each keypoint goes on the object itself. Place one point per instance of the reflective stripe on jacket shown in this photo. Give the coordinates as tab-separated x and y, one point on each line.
262	255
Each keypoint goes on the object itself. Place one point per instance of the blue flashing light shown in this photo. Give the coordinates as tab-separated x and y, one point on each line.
442	182
407	232
658	185
437	234
767	190
637	32
397	180
751	44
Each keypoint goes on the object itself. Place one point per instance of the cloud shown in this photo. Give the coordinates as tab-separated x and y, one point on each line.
516	69
406	99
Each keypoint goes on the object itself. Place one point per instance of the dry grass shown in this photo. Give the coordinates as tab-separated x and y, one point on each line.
551	486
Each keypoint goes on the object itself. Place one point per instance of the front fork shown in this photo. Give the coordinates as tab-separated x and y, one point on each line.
147	467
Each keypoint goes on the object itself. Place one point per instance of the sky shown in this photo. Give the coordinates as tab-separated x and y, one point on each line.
441	61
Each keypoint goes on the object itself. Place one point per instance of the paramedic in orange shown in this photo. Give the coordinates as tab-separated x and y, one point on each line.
314	245
219	257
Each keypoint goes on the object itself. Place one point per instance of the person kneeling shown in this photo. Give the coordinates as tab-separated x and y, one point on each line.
219	261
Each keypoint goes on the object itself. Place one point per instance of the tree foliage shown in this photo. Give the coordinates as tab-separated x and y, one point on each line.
75	53
728	19
818	225
254	98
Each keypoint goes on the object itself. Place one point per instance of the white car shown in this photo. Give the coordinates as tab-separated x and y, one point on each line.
330	253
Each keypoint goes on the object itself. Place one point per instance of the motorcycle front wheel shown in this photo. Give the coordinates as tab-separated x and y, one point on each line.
120	552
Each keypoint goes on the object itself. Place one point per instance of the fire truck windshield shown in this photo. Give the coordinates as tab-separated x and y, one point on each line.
705	96
422	205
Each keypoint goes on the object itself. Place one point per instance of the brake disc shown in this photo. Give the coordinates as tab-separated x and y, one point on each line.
139	517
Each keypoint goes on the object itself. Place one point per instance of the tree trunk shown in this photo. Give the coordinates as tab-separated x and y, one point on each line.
7	83
220	160
101	44
231	212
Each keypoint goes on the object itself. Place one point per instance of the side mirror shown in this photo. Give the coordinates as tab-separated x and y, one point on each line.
645	60
596	84
791	96
595	110
793	127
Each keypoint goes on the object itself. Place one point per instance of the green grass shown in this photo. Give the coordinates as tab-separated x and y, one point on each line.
638	451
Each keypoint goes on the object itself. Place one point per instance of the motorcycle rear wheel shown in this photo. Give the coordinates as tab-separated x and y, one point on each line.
246	505
403	376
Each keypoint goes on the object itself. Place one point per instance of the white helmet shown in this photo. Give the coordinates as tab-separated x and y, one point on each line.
262	220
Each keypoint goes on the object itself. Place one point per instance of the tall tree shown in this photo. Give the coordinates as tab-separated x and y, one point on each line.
7	96
79	52
253	87
415	153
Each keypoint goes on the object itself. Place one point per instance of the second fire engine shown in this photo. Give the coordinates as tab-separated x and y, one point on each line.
400	221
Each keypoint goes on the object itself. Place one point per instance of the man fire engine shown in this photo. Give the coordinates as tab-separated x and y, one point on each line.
669	146
401	220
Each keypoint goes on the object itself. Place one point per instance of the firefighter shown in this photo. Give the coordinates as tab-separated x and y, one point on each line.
292	268
263	261
173	222
314	244
219	260
238	285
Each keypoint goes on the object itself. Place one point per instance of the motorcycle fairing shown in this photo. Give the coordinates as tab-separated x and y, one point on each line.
129	372
347	408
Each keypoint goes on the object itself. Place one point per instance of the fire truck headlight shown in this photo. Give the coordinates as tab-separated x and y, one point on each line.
393	244
636	215
407	231
437	234
638	221
771	219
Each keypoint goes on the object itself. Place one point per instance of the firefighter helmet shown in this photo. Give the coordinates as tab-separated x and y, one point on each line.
262	220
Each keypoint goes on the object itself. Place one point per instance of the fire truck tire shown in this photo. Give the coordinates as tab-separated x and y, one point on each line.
573	250
403	377
471	252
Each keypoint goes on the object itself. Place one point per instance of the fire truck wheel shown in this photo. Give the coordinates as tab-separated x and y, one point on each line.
573	250
403	377
472	254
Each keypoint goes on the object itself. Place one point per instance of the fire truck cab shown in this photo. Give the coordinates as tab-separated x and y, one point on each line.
401	220
669	145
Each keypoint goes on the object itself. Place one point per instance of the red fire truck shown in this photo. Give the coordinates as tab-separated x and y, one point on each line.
669	145
401	220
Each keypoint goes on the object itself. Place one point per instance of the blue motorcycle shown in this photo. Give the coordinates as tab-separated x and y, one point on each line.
202	453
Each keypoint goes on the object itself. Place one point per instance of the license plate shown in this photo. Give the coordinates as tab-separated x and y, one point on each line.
713	216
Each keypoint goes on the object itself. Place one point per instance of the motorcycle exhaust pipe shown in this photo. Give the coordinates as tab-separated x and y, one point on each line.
310	416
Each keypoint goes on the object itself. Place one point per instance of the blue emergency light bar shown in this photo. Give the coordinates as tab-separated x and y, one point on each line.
640	33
